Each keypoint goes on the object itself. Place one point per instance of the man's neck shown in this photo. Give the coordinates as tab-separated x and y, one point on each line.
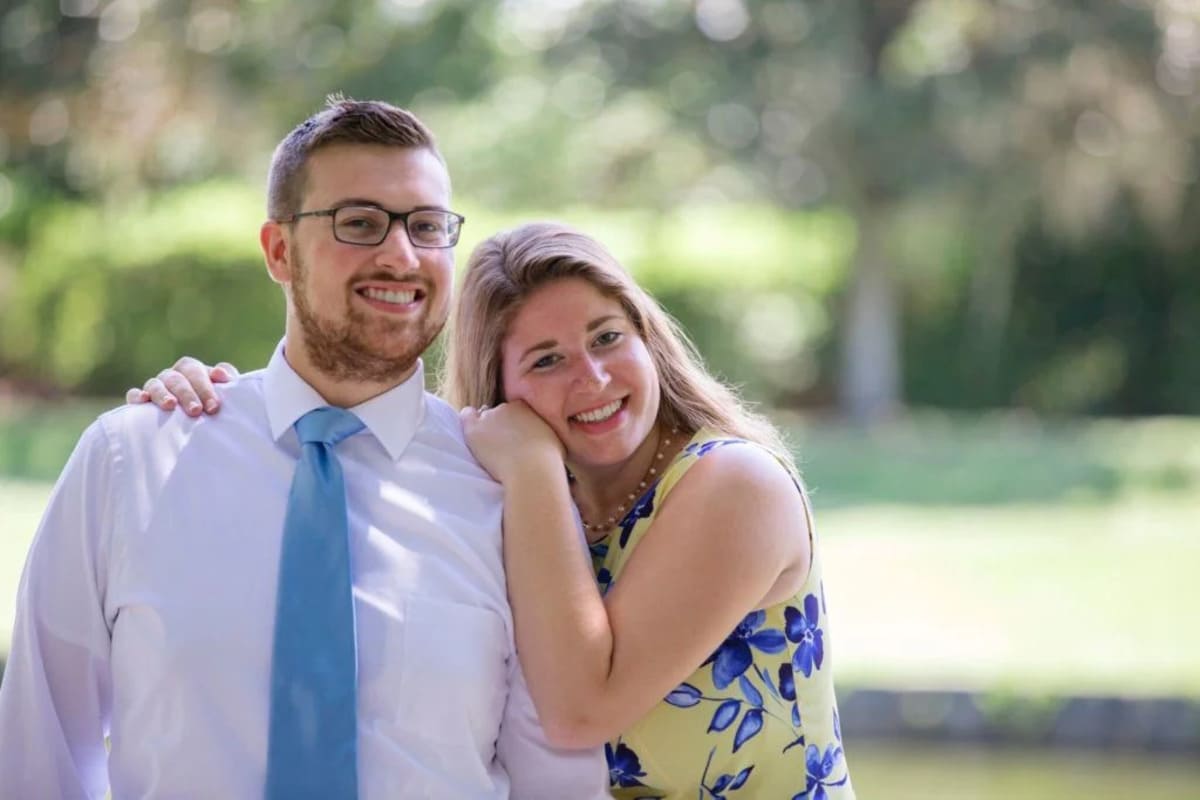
338	392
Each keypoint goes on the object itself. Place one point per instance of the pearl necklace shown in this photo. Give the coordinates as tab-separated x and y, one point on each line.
641	487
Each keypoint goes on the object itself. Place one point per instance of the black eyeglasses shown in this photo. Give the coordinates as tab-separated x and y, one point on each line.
368	226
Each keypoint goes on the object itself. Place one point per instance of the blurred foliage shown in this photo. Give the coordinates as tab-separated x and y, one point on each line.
1014	183
108	296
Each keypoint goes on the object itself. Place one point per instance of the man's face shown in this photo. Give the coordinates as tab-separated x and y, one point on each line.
366	314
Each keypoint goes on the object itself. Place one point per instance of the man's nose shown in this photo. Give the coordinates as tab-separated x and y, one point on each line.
397	249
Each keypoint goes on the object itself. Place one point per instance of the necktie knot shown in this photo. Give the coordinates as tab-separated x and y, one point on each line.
327	425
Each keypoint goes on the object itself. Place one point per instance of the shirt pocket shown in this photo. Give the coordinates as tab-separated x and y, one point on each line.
453	673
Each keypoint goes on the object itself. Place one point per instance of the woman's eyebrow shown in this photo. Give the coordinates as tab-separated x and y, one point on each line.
549	343
598	321
543	345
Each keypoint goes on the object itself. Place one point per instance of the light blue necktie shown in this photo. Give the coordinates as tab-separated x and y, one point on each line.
313	745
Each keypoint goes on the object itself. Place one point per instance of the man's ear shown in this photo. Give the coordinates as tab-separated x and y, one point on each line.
277	251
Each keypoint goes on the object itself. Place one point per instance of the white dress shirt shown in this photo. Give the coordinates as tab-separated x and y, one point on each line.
147	607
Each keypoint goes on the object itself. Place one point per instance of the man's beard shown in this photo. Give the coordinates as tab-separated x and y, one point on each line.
361	347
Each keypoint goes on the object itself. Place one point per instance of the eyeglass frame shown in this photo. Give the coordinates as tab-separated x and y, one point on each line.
392	217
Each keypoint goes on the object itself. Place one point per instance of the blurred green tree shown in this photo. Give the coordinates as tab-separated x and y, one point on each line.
948	130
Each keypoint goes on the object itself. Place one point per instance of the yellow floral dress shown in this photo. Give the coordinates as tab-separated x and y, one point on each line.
758	719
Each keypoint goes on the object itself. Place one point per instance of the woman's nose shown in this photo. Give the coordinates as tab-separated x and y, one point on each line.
593	373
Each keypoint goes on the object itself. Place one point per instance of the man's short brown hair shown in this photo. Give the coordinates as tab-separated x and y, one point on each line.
341	121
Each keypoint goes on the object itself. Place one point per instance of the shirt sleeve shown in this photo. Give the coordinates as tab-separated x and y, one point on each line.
55	698
537	771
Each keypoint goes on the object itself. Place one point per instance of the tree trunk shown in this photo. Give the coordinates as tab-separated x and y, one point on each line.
869	389
870	371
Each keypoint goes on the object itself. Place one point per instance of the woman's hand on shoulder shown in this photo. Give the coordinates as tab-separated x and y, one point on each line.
189	385
510	440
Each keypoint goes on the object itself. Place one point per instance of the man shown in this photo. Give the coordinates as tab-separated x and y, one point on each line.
184	596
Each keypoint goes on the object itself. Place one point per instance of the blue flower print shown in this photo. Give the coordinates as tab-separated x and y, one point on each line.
787	689
604	580
724	783
802	630
599	549
643	508
733	657
752	723
724	716
624	767
685	696
787	682
820	767
765	674
704	448
729	783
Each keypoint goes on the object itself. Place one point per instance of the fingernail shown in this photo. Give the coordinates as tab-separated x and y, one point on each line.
211	405
193	408
169	403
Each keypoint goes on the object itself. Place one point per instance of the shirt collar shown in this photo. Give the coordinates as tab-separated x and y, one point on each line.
392	417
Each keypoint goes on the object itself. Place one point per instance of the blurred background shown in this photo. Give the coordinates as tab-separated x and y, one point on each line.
951	245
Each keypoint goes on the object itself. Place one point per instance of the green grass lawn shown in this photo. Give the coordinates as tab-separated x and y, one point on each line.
991	552
21	504
1010	553
1062	599
35	441
895	771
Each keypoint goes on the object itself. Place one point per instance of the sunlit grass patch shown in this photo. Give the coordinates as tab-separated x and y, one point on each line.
937	772
1091	599
21	505
998	552
934	458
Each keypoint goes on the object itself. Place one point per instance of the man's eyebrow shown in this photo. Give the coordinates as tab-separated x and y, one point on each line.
363	201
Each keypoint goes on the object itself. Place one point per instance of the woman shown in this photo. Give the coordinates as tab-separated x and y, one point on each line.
694	645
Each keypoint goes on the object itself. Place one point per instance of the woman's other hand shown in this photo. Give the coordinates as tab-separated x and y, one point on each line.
188	384
510	440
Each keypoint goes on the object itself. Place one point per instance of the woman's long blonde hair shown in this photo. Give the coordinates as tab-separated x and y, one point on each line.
508	267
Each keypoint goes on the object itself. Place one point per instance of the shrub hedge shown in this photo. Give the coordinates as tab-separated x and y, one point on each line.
104	298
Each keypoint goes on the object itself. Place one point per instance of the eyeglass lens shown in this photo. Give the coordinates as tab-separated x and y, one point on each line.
369	226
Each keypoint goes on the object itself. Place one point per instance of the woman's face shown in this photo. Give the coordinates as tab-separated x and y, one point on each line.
576	359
